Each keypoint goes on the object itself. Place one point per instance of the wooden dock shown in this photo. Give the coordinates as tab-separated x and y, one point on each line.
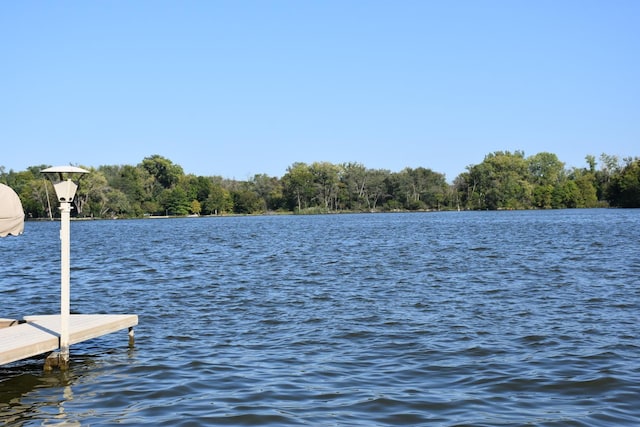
41	334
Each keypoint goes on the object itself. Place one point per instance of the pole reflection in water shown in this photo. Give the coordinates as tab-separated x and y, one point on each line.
28	393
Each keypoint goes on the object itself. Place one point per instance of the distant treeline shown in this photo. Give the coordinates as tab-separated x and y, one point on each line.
504	180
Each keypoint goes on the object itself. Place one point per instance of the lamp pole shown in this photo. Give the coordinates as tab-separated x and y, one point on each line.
65	190
65	279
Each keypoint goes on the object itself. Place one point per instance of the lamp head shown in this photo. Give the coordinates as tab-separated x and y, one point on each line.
61	178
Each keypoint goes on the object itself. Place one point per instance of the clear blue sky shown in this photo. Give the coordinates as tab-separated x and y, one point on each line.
237	88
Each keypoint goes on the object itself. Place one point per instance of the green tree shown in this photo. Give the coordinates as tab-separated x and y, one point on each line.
298	185
609	166
624	190
38	199
130	180
543	196
191	185
566	195
115	203
375	189
219	201
500	181
92	186
196	207
591	161
93	194
269	189
201	188
246	201
325	183
407	189
545	169
465	188
32	189
175	201
421	188
354	179
166	173
585	180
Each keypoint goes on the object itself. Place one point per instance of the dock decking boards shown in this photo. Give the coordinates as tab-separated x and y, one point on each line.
40	334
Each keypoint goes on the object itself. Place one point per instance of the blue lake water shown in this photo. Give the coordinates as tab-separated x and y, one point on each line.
440	319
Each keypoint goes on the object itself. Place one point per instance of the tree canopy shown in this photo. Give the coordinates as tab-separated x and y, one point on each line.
503	180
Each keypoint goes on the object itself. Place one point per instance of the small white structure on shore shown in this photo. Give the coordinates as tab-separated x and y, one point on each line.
41	334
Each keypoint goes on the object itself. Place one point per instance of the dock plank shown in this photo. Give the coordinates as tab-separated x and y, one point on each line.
23	341
41	333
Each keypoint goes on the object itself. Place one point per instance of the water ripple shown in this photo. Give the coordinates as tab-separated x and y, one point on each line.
445	319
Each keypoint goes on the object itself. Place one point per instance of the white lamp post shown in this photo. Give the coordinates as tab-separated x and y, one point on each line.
65	188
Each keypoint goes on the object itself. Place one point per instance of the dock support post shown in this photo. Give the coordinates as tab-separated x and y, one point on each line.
54	360
131	337
65	255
